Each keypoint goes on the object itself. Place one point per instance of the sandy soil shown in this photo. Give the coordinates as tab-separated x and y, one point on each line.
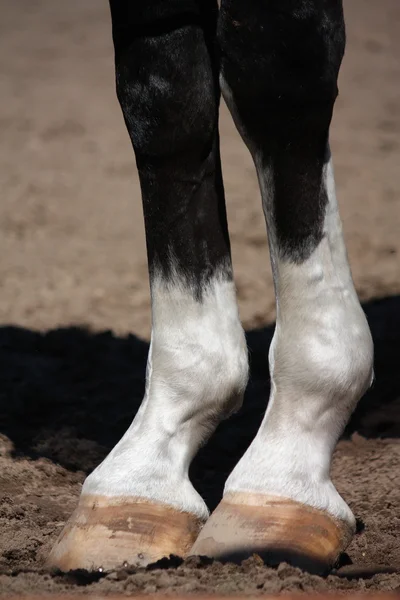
74	304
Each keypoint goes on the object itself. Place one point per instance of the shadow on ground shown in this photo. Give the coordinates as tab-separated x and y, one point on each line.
69	395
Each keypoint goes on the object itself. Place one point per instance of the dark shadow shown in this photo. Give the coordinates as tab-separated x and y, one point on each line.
69	395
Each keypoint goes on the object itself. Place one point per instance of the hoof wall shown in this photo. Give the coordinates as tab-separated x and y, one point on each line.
277	529
104	533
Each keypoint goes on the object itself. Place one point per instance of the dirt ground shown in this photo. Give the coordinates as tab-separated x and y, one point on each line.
74	303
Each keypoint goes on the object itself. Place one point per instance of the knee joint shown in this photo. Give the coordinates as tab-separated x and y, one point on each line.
283	60
167	94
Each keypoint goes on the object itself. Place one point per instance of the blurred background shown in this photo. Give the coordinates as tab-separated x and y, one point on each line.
71	227
74	297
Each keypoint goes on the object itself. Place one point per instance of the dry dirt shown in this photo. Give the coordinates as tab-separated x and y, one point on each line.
74	303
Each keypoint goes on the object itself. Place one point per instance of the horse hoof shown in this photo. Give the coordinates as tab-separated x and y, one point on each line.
277	529
104	533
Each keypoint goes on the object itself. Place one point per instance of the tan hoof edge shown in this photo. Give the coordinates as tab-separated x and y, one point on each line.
277	529
104	533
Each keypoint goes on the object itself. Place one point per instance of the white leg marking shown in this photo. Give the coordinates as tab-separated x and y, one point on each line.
321	362
196	375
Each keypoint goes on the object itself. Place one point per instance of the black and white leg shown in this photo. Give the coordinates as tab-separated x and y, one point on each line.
280	62
139	504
